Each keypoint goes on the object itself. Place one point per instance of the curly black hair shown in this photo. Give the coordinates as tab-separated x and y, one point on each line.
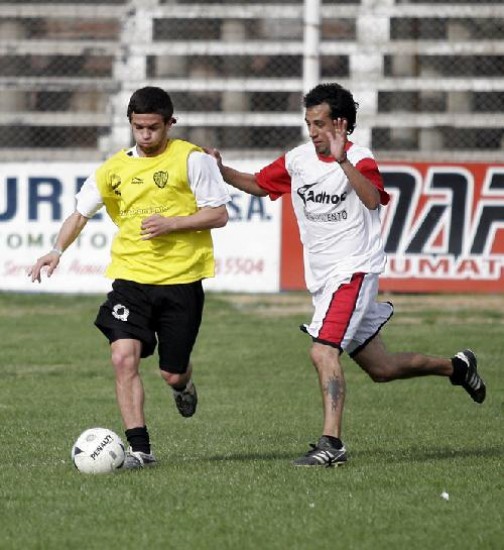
340	101
151	100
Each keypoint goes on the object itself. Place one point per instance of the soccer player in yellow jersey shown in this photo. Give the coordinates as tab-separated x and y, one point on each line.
164	195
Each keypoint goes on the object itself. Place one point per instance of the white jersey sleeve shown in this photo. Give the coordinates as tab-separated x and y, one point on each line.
89	200
206	181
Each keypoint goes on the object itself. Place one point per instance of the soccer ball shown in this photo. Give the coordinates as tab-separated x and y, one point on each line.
98	451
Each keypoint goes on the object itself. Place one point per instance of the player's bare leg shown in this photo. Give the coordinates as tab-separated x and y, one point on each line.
462	369
130	395
383	366
329	450
326	361
125	355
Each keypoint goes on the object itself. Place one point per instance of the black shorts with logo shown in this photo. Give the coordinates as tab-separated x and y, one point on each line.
167	315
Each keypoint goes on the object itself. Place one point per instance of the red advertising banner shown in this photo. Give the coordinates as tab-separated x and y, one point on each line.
443	230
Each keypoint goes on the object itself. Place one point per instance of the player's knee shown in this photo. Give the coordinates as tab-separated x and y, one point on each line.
380	374
318	356
175	379
118	358
379	369
314	356
324	357
123	361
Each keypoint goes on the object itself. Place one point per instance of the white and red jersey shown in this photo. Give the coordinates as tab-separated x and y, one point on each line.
339	234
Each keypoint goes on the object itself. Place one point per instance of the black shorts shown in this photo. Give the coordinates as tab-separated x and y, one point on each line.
167	315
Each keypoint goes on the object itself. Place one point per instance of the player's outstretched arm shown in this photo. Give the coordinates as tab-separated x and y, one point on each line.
69	231
241	180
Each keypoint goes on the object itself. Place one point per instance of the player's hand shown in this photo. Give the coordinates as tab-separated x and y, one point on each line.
338	139
50	260
155	226
216	154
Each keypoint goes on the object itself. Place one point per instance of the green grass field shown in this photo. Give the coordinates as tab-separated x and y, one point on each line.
224	479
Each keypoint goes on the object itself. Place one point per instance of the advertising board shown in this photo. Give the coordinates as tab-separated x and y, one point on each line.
36	198
443	230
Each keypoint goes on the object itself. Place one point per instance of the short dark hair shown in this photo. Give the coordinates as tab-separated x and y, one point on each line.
151	100
340	101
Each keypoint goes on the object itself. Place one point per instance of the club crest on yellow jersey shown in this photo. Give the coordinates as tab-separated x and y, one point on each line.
161	179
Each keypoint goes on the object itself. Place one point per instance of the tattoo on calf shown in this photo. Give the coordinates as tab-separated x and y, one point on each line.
335	388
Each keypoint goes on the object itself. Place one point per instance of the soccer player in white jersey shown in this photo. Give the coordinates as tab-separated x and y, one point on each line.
164	195
337	194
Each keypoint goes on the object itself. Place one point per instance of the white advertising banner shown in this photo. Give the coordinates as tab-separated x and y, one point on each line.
35	198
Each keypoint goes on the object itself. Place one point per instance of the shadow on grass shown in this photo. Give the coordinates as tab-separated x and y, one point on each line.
251	457
413	454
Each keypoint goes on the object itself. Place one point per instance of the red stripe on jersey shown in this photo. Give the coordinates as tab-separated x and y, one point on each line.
274	178
340	311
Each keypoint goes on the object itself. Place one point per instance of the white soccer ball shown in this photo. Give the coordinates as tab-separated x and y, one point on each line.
98	451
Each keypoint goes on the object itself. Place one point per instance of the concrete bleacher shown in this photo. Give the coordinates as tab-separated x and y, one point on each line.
429	80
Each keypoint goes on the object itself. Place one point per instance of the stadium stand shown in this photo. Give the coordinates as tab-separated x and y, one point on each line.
428	76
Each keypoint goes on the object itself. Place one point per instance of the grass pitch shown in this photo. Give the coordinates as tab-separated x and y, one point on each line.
224	479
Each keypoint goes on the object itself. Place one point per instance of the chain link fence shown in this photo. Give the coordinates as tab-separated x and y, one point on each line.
428	77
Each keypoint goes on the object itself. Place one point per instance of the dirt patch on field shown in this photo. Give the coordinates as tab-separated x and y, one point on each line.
271	305
453	300
445	305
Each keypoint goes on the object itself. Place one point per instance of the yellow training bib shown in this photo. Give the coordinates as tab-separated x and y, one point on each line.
134	188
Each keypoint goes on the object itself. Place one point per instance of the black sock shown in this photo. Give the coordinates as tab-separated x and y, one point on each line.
335	441
138	438
459	371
